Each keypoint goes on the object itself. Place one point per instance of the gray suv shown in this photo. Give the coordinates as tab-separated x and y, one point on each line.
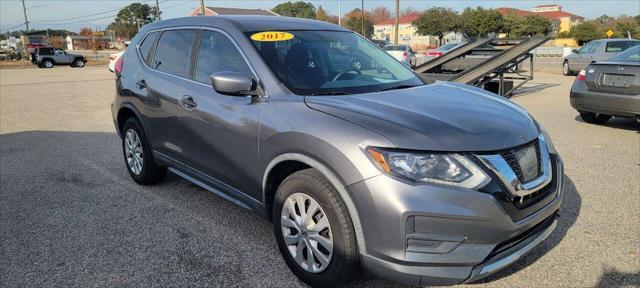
48	57
357	166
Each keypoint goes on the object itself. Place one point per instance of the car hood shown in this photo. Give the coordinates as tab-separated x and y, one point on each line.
439	117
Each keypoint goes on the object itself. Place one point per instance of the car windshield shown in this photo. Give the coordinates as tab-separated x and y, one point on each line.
630	55
395	48
330	63
448	46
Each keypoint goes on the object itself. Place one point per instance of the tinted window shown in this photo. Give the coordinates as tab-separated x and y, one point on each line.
173	52
595	47
630	55
619	46
145	47
217	53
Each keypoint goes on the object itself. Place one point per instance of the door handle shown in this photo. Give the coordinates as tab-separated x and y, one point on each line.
141	84
187	102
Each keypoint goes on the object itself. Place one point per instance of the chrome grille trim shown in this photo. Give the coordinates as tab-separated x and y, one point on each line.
510	179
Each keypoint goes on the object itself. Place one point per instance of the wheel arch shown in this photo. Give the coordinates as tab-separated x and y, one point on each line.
304	161
125	112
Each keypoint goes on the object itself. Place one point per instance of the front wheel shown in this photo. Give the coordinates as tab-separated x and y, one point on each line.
47	63
314	230
594	118
566	71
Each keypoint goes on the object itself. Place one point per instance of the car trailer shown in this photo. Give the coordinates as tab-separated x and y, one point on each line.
484	66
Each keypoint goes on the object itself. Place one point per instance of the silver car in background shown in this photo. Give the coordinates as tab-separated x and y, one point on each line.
609	88
402	53
594	51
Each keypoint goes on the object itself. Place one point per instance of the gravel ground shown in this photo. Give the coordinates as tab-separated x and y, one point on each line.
71	216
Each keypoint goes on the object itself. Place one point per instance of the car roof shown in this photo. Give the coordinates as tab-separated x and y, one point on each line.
247	23
616	40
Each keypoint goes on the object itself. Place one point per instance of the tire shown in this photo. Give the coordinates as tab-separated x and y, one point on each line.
594	118
78	63
46	63
147	172
566	71
342	264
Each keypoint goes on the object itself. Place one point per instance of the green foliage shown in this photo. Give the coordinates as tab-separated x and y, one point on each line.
298	9
437	21
479	22
535	25
355	24
626	24
586	32
130	18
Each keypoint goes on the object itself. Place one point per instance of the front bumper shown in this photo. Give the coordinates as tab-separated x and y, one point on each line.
441	235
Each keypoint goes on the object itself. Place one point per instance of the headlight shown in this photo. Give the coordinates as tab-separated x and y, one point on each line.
443	168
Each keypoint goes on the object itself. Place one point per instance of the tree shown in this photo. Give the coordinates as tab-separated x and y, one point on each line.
479	22
355	24
512	24
86	31
586	32
409	11
321	14
624	24
130	19
298	9
379	14
535	25
437	21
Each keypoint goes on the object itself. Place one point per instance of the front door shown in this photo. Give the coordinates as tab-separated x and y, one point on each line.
221	132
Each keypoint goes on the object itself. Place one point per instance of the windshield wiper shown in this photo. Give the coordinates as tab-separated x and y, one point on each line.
330	93
397	87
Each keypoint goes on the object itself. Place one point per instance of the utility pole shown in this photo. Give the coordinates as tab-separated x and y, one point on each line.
339	14
362	16
202	7
397	24
24	9
157	10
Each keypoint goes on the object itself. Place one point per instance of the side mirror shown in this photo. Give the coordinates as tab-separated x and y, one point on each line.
232	83
575	51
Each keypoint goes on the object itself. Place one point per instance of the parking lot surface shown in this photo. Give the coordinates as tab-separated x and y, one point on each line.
71	216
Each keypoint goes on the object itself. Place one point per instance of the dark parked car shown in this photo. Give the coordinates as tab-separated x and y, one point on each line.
609	88
48	57
357	166
595	51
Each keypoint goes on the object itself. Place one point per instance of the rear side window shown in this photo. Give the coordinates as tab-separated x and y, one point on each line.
619	46
146	45
217	53
595	47
173	52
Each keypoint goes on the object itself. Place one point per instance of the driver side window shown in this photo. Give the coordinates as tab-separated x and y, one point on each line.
59	52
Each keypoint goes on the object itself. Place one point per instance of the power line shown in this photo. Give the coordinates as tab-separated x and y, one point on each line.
89	15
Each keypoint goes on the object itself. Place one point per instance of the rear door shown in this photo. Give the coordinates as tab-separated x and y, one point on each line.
165	78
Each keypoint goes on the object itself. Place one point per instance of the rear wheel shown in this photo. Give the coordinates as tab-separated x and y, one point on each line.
46	63
77	63
138	156
314	230
594	118
566	71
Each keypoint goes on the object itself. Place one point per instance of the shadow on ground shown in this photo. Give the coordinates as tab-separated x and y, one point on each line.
617	123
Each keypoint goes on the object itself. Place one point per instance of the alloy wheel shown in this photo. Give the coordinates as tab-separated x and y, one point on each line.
307	232
565	68
133	151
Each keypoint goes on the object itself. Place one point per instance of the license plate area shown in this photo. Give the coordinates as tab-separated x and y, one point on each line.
617	80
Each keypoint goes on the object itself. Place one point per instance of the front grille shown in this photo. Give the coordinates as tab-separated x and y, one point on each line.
510	157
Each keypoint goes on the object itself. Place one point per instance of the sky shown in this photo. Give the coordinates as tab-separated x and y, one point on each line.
75	14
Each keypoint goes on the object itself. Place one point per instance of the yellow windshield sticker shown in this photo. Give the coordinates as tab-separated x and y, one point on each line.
269	36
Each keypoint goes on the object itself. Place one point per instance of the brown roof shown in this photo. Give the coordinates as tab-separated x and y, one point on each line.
546	5
403	20
240	11
552	15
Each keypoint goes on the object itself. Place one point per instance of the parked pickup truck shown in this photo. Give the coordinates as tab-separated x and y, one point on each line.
48	57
